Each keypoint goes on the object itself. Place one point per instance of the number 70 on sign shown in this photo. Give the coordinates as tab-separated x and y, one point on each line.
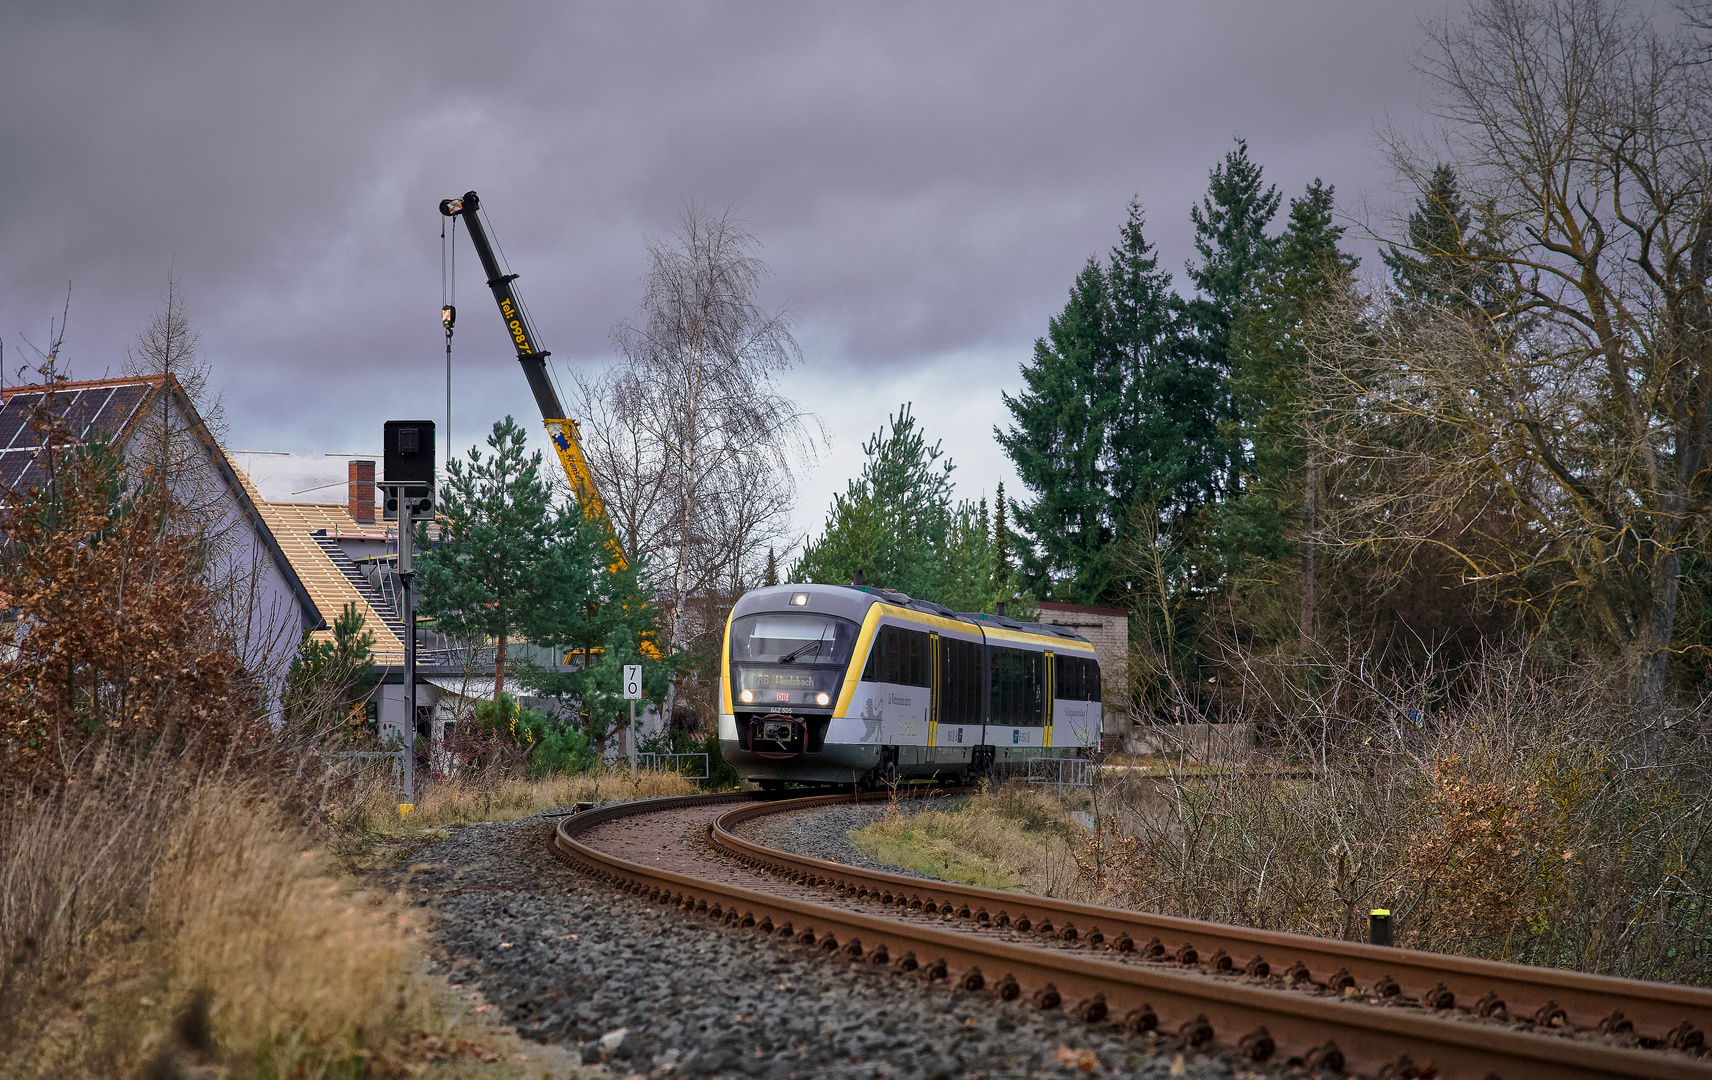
633	681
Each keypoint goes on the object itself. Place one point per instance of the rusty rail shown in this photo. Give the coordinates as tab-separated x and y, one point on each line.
1654	1009
1255	1020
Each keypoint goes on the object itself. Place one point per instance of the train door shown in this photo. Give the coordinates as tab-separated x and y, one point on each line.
1046	736
935	691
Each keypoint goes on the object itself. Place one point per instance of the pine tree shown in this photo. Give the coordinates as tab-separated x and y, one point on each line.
772	568
507	563
1001	545
896	524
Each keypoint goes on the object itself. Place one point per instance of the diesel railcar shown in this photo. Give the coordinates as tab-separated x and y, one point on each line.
842	684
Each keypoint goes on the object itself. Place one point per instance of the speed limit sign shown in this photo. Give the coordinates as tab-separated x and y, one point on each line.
633	681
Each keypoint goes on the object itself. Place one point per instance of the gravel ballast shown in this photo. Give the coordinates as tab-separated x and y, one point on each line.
824	833
650	990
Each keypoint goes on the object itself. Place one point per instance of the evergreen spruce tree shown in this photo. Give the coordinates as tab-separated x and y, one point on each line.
1001	544
1166	448
1058	442
1118	410
1230	237
1272	517
1447	263
772	568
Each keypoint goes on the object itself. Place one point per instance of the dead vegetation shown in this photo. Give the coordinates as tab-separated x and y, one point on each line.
1512	812
173	924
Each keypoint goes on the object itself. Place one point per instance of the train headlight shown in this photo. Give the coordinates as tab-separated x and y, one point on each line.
823	699
800	599
748	697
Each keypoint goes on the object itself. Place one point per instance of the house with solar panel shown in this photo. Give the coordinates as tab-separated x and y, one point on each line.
144	417
292	567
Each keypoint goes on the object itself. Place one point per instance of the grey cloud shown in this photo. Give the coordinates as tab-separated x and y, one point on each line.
926	178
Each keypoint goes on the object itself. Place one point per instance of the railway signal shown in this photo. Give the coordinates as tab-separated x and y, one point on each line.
409	492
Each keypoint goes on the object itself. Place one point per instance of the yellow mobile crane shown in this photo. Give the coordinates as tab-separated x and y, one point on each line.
561	429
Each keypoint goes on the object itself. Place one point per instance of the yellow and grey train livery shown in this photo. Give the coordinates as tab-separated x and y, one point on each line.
847	683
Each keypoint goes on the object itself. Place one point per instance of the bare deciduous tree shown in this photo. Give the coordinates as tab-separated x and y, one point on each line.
690	440
1560	433
184	468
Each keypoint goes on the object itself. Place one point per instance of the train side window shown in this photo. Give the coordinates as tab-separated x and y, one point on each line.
1036	687
916	669
899	656
1093	680
959	681
1073	678
1019	687
972	695
882	663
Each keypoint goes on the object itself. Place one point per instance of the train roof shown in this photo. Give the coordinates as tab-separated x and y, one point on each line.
853	601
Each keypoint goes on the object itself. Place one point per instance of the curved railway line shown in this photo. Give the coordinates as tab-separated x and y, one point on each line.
1268	996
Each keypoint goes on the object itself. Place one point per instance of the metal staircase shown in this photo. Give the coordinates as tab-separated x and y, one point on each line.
382	605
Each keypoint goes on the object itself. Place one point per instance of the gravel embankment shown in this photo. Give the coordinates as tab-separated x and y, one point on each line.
825	833
654	991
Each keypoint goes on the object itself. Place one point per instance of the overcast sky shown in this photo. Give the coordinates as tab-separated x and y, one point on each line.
925	180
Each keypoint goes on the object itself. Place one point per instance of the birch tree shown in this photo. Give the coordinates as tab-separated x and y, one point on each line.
690	439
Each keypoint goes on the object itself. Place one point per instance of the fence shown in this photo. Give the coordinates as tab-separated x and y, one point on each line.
673	763
1061	773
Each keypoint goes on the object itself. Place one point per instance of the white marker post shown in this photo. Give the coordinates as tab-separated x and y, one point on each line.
633	691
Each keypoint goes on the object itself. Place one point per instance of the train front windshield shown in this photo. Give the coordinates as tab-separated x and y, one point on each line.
790	659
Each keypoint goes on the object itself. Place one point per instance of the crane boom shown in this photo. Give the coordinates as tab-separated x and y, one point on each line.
561	429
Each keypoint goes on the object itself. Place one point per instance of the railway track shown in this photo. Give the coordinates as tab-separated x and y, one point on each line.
1272	997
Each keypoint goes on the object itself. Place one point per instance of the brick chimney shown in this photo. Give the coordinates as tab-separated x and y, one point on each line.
361	488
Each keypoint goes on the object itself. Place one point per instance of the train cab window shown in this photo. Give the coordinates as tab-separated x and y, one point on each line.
790	638
959	681
1018	687
899	656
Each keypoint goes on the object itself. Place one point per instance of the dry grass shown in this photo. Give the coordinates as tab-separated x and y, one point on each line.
493	796
1008	837
366	831
1506	810
169	923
